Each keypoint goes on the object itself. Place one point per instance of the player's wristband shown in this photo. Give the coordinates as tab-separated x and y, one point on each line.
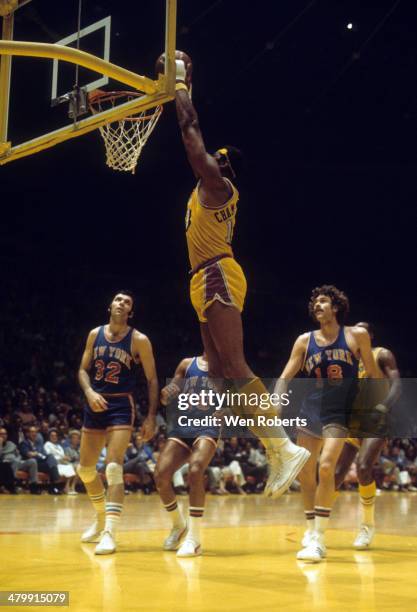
180	71
179	86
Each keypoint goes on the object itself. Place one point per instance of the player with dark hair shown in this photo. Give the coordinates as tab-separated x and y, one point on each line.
107	375
367	448
330	357
218	284
190	444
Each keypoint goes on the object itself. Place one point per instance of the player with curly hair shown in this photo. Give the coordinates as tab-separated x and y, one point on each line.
329	357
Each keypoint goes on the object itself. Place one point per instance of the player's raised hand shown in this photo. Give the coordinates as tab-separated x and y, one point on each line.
96	401
183	67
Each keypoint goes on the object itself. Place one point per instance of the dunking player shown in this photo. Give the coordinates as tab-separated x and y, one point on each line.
107	376
330	356
187	443
218	285
385	392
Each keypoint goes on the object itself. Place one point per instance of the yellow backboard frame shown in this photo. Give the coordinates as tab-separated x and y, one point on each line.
156	92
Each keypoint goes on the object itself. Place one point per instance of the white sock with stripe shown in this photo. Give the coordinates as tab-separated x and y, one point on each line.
113	513
196	514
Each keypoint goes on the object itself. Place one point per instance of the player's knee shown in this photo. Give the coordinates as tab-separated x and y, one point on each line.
162	477
114	473
326	470
195	472
86	473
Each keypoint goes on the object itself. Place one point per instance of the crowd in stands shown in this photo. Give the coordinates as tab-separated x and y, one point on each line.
40	439
41	404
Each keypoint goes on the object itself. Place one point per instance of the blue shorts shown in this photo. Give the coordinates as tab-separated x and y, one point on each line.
120	414
318	418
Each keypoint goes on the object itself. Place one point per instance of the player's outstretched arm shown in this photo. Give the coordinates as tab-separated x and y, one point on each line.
294	364
143	347
173	389
203	164
388	364
96	401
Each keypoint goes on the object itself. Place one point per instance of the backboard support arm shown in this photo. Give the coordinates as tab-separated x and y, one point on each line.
156	92
5	73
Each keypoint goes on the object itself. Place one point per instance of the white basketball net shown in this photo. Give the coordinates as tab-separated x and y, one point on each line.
124	139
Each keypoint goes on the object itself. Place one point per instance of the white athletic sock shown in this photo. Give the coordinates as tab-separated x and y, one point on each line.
175	514
310	517
322	519
113	513
196	514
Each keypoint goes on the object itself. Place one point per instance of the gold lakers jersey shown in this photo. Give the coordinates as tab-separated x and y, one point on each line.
380	373
210	230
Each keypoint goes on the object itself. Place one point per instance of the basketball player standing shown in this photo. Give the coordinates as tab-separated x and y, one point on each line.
330	357
368	448
190	444
107	376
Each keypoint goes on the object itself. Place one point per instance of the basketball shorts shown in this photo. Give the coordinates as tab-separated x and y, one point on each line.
190	442
222	280
319	418
120	414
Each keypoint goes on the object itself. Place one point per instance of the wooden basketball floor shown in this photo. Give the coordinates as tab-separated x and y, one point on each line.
249	562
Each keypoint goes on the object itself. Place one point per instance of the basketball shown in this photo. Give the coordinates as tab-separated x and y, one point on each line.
179	55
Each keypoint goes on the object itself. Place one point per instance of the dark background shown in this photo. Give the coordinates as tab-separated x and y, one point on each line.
326	118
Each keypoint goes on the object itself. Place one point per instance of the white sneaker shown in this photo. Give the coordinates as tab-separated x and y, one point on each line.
285	464
189	548
364	538
307	537
93	533
315	551
174	539
107	545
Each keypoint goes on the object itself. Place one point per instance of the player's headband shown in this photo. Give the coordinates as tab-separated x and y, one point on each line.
225	153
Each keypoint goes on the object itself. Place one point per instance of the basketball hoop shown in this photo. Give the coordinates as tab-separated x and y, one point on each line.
124	139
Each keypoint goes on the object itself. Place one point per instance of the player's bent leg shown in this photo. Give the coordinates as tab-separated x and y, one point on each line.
117	443
172	457
91	445
285	458
368	455
344	462
202	454
308	481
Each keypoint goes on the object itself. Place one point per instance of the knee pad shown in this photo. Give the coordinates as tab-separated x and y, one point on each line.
87	474
114	473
